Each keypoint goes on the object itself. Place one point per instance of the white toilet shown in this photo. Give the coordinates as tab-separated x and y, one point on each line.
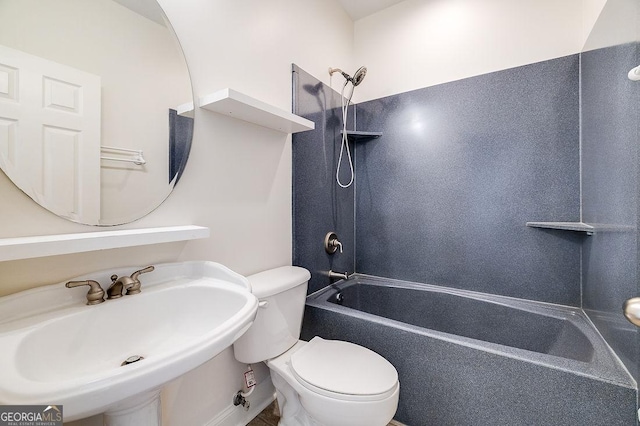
322	382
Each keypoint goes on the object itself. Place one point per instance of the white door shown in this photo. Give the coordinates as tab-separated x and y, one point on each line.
50	133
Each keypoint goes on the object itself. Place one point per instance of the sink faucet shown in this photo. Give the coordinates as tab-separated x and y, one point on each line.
131	284
95	294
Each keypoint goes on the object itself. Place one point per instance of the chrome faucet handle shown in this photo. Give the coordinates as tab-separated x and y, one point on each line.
95	295
631	310
135	275
135	285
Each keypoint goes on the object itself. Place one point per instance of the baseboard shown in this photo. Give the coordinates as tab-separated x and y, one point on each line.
262	396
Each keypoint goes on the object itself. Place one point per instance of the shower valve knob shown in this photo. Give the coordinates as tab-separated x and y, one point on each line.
331	243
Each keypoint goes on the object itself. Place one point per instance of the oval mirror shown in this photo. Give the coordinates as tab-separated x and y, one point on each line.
95	106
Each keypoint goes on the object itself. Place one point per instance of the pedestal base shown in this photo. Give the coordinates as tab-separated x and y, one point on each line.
143	410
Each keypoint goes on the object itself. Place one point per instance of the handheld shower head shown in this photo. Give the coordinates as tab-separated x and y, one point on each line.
357	77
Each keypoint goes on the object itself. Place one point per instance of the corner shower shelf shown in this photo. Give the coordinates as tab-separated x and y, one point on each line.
564	226
52	245
238	105
358	136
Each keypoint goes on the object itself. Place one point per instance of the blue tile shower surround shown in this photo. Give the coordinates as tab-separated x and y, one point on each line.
610	135
319	205
180	137
442	197
473	370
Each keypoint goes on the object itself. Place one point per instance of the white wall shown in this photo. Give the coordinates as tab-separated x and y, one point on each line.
618	23
421	43
238	179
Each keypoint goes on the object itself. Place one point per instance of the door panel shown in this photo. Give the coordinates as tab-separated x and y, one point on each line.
50	133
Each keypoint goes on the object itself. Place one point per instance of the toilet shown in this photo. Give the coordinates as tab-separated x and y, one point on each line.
320	382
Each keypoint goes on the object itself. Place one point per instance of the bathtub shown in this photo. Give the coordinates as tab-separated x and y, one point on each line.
468	358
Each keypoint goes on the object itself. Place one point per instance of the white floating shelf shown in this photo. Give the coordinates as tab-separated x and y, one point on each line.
52	245
185	110
238	105
564	226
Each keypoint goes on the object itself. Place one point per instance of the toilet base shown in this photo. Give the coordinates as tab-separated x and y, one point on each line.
300	406
292	413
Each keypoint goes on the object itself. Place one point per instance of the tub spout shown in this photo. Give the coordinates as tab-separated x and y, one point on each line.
338	275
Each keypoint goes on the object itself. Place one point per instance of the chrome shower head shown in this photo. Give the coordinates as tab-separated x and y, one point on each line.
357	77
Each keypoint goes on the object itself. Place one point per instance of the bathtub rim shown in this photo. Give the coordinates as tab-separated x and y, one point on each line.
605	365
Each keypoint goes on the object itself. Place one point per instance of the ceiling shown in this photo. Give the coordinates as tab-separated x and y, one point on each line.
148	9
357	9
360	8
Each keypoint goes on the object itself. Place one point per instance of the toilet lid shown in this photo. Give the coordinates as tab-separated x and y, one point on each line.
343	368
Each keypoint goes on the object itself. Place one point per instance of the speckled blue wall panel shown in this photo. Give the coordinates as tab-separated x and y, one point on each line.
447	384
180	138
610	193
443	196
319	205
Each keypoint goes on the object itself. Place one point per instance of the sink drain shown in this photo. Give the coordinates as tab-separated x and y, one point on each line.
132	359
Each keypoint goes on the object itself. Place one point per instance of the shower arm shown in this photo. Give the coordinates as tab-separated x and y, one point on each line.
344	74
357	78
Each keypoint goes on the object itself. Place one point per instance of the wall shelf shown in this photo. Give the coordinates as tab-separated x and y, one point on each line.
564	226
589	228
243	107
358	136
185	110
52	245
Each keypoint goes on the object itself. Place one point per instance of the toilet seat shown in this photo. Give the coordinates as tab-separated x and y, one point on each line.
343	370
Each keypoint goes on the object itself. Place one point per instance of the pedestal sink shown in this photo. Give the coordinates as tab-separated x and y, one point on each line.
55	349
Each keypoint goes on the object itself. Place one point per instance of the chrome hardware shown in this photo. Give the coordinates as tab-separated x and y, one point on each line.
136	156
338	275
117	285
130	284
131	360
238	399
331	243
631	309
135	289
95	295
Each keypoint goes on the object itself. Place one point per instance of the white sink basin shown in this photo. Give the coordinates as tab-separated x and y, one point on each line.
57	350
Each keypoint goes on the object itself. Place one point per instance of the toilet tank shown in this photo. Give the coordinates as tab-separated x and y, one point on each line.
282	293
